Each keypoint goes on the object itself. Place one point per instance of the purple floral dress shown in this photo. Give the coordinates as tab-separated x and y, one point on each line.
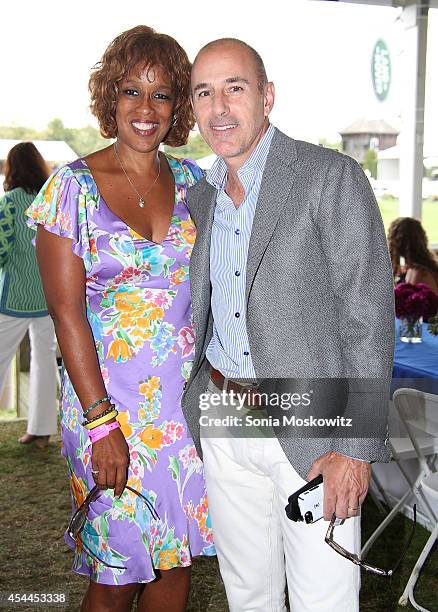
138	307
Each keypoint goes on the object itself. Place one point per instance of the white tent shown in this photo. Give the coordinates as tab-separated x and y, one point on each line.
56	152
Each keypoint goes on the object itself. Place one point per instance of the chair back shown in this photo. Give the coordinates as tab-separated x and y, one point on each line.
418	412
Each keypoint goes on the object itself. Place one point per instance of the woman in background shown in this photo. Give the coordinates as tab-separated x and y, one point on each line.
407	239
22	304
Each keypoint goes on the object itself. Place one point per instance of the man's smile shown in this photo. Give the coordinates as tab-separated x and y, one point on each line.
223	128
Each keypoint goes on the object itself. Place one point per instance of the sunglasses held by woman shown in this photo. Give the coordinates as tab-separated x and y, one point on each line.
79	519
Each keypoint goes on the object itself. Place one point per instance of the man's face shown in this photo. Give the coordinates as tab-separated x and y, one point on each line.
230	109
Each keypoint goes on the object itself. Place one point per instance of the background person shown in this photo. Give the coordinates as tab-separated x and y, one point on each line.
22	304
114	242
407	238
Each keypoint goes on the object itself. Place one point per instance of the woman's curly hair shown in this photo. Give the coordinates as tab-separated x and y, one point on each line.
407	238
142	46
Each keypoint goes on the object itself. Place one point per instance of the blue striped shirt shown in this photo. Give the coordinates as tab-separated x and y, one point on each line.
228	350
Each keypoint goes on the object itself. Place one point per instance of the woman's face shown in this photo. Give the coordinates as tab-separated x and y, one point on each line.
144	111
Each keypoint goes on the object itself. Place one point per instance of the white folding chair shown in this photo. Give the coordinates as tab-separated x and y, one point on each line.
418	411
402	450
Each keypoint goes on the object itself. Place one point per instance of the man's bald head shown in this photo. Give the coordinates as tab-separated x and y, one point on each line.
231	42
232	98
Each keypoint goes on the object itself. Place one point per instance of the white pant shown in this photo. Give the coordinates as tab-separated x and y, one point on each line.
43	368
248	483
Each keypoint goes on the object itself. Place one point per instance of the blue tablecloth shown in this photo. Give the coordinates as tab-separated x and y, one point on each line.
417	362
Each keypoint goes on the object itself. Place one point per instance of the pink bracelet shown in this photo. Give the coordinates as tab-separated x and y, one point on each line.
102	430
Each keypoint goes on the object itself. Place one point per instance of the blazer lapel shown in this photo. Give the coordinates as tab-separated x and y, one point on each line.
277	181
200	262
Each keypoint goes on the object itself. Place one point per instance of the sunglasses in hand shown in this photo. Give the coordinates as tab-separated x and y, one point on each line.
79	519
355	559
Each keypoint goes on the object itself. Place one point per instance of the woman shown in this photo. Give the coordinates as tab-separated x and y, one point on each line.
113	244
22	304
407	239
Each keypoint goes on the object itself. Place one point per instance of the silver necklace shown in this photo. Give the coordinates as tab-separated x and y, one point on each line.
140	197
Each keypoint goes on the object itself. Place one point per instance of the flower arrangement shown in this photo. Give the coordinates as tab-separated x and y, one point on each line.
415	301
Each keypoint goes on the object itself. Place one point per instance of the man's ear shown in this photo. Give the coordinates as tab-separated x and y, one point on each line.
269	98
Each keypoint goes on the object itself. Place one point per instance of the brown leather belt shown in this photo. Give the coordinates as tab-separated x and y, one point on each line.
252	397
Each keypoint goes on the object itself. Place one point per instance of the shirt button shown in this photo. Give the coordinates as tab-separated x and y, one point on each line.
237	232
237	273
237	315
246	353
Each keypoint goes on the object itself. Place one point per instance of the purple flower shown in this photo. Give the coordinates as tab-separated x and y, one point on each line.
415	301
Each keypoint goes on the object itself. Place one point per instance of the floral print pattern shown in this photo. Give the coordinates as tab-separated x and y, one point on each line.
138	308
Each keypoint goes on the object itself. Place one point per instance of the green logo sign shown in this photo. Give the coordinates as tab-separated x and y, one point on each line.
381	70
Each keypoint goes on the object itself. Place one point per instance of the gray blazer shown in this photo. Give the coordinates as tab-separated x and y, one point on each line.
319	287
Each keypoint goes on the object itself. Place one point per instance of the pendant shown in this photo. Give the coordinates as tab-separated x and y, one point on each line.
141	203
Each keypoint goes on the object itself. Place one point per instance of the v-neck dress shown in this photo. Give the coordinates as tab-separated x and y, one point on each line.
139	311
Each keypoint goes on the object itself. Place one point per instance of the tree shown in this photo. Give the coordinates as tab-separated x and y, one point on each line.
86	140
55	130
195	148
18	132
370	162
337	146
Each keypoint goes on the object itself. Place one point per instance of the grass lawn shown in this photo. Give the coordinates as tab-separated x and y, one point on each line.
35	508
389	211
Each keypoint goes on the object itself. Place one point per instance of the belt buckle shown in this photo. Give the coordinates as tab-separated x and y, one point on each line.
250	390
249	385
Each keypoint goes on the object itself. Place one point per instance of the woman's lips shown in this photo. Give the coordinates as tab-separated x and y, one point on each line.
144	128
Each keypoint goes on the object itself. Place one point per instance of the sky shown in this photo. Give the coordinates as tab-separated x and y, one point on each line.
318	55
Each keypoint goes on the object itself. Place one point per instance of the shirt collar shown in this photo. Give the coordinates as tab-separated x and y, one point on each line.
255	163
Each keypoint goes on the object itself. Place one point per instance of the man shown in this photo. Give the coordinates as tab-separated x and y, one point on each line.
290	279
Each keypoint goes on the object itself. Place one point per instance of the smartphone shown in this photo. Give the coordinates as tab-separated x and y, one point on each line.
306	504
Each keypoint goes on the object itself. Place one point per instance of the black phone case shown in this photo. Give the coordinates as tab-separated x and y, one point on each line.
293	508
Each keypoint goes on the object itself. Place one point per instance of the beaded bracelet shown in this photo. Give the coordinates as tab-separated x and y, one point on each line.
106	411
102	420
96	403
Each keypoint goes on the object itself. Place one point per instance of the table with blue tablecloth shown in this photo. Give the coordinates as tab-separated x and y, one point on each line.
416	365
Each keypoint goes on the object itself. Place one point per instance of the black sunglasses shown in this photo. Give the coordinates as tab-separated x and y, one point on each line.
79	518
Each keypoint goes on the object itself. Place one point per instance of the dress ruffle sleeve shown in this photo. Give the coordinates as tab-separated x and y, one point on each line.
60	207
192	171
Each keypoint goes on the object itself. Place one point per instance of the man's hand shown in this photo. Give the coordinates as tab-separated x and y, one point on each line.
346	483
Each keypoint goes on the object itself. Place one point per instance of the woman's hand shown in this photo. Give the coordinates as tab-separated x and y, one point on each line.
110	456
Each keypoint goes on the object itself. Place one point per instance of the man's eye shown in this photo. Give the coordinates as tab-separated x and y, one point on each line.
130	92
